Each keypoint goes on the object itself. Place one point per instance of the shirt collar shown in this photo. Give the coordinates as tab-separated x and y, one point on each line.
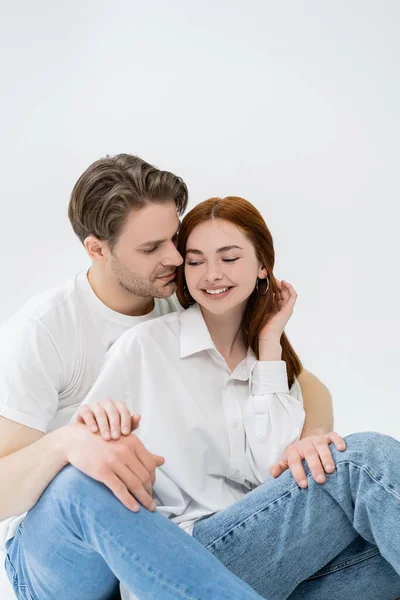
244	370
195	337
194	334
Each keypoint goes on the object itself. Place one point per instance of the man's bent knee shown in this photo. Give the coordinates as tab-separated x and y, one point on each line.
71	486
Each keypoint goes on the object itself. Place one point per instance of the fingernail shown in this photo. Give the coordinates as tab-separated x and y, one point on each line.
303	483
330	467
135	508
153	506
94	428
115	434
107	435
320	478
126	430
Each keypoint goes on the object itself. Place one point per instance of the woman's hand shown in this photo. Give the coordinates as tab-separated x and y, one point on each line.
276	324
269	339
110	418
315	451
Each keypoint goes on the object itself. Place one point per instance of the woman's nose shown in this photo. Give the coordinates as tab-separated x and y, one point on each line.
213	274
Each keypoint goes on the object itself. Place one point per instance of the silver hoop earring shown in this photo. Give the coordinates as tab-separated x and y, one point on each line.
267	286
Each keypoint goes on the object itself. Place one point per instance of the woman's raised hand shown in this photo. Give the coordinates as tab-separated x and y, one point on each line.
110	418
286	300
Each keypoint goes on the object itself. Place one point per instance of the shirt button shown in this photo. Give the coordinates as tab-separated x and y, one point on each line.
234	425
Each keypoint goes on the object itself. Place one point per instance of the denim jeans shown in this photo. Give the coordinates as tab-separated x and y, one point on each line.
335	541
79	540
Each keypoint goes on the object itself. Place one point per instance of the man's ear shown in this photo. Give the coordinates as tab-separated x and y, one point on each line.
96	249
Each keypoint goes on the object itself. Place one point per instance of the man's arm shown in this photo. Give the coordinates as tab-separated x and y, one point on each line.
30	372
317	405
29	460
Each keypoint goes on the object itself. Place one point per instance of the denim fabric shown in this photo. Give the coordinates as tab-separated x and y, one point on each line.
339	540
21	591
336	541
79	540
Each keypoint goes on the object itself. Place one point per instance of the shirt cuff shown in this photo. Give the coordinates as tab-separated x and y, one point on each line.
269	377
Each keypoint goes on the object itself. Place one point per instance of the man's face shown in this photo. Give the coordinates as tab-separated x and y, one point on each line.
145	257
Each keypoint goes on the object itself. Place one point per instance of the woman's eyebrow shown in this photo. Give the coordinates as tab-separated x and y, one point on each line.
219	250
226	248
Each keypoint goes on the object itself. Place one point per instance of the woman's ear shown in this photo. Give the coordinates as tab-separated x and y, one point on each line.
262	273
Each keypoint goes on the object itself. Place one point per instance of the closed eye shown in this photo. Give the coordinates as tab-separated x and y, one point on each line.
195	263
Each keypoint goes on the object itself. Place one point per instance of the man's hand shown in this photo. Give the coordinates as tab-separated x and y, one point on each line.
124	465
315	450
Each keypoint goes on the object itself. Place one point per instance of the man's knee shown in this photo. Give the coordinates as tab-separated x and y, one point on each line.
73	486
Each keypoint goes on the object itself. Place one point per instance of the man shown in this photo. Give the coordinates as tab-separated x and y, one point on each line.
126	213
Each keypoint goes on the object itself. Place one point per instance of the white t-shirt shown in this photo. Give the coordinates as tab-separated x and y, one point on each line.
51	352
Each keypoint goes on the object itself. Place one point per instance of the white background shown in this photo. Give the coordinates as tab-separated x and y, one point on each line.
293	105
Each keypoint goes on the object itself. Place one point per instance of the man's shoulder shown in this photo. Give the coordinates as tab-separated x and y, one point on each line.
49	309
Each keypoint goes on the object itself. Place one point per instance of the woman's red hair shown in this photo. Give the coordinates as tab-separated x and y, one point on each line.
259	308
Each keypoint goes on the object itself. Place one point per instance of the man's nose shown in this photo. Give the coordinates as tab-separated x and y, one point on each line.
172	258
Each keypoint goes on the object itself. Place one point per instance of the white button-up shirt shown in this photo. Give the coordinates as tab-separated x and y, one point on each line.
219	431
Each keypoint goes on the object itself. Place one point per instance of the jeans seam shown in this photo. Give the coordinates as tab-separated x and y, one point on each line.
344	564
12	568
288	492
15	583
227	532
26	590
167	584
372	476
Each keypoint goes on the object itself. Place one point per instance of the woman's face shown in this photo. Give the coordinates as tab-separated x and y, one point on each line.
221	267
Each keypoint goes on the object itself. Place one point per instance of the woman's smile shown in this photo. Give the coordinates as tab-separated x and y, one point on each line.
217	293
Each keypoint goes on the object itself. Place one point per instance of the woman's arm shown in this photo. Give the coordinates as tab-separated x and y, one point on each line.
316	435
317	405
313	444
273	416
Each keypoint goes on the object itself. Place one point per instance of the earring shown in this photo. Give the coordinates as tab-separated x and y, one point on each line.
266	289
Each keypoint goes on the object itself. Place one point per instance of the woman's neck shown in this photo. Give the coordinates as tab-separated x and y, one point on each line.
225	331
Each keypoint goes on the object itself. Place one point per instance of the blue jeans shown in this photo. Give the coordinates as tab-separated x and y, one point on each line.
79	540
336	541
339	540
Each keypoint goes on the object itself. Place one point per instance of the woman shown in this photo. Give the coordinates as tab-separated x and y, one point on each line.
216	389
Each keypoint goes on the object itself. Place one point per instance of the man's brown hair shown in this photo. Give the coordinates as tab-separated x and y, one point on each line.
111	187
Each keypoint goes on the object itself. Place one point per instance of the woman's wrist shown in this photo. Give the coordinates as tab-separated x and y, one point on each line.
269	348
